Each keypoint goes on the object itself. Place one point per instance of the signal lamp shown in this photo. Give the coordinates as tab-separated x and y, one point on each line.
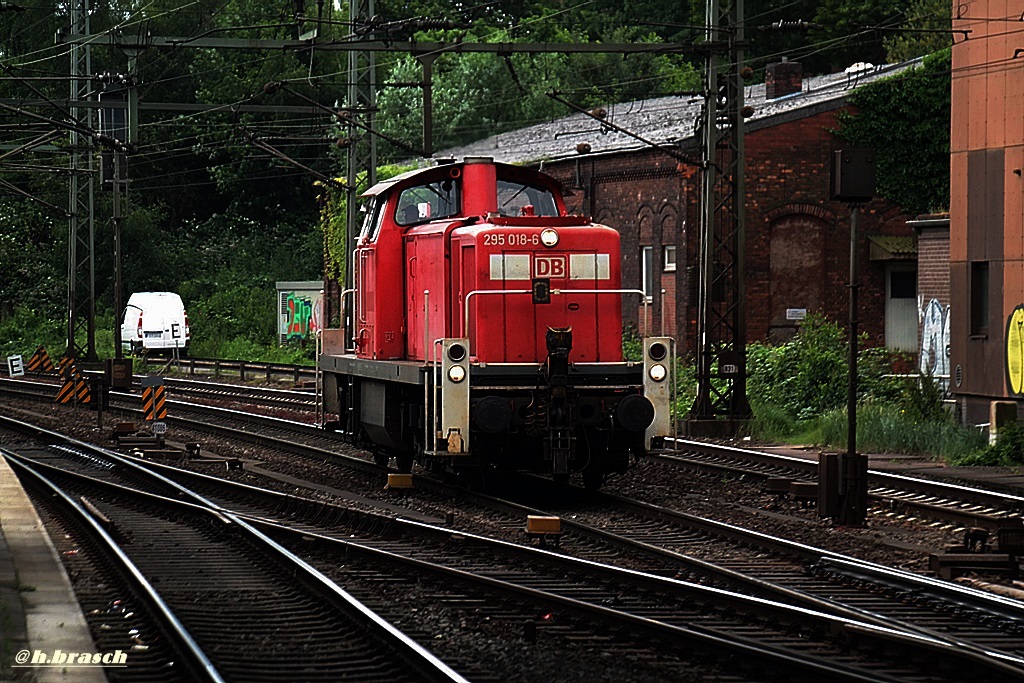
658	372
456	373
456	352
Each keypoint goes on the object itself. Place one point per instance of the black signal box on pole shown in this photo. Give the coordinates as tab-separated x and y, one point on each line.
853	175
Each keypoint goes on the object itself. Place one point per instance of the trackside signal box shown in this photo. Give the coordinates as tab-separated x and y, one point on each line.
853	175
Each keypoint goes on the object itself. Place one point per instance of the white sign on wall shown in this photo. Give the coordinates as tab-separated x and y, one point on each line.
796	313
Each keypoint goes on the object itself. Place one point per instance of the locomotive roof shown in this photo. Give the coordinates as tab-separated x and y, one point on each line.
503	170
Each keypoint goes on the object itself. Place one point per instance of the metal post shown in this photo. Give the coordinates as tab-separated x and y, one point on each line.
851	384
721	318
427	64
853	508
362	152
118	354
81	197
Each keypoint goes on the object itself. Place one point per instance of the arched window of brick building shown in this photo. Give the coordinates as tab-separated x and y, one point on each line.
797	254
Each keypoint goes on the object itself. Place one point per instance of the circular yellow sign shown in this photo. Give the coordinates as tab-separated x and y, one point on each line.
1015	351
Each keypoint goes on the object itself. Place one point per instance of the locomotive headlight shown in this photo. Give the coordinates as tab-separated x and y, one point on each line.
657	372
456	373
549	237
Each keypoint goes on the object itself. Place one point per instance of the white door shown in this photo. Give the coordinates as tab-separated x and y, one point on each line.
901	307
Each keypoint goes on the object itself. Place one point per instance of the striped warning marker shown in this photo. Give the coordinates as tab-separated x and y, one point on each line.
82	392
154	403
67	369
40	361
69	373
66	393
74	385
74	388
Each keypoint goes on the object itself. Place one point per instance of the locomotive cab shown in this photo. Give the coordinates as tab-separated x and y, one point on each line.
488	331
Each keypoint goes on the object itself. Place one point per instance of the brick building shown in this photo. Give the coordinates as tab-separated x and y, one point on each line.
986	252
797	255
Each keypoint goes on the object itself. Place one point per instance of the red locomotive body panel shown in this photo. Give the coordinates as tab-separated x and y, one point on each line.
507	257
380	305
427	282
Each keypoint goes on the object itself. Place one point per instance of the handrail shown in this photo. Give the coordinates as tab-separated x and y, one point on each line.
554	292
243	368
350	336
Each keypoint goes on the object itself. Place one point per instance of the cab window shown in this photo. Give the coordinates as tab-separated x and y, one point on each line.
427	202
373	217
513	197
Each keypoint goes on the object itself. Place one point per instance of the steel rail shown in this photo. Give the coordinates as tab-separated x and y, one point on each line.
194	659
1000	661
841	564
425	663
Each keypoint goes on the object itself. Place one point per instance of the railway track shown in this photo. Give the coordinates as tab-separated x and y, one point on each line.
236	601
824	580
967	506
662	607
292	400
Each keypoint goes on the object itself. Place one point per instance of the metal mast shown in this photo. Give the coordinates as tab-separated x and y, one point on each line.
721	315
81	194
362	105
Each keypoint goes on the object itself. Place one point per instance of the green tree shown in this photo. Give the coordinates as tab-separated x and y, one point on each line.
849	31
929	24
906	119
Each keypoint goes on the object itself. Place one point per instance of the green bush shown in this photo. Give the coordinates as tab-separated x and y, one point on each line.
771	422
798	392
26	329
807	376
1007	451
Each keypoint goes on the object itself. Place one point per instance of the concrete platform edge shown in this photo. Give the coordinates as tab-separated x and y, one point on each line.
53	618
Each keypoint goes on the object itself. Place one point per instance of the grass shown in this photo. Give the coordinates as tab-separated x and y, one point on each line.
881	428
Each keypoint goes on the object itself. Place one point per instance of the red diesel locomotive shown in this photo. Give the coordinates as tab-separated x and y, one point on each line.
487	332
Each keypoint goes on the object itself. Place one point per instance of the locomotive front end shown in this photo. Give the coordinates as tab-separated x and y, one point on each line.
540	307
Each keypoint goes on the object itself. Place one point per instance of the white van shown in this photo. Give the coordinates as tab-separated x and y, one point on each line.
154	321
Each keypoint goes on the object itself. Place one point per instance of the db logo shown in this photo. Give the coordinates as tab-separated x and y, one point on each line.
551	266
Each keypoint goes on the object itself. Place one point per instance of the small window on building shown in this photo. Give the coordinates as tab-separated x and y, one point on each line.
903	284
647	272
979	298
670	258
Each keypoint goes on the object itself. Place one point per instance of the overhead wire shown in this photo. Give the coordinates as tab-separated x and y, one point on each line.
821	46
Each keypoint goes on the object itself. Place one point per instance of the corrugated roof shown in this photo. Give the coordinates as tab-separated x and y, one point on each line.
885	248
662	120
